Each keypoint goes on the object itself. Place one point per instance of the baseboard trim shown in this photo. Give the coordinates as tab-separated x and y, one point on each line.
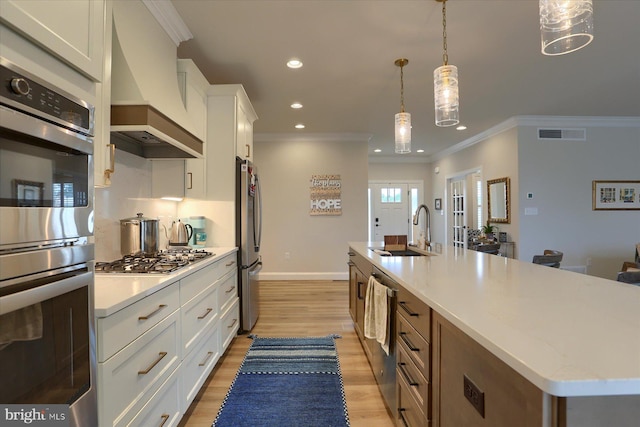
303	276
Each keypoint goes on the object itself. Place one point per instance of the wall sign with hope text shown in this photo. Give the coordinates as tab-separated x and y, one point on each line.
325	195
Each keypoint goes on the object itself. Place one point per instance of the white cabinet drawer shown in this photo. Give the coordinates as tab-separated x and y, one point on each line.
197	366
228	263
193	284
121	328
131	376
163	409
227	291
197	314
229	324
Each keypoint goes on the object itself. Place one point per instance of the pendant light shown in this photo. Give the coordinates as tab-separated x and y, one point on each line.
565	25
445	83
403	119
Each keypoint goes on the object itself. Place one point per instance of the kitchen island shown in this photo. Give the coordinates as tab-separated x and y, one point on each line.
573	339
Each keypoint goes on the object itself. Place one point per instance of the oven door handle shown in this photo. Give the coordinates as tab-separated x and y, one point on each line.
47	291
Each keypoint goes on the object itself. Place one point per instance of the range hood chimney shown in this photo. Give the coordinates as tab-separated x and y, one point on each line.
148	116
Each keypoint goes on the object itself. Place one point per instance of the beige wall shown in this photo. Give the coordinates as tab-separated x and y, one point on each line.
316	245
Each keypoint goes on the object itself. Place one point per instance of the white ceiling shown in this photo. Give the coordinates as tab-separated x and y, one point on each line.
349	83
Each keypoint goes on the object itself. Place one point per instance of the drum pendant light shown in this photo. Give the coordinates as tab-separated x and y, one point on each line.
445	83
565	25
403	119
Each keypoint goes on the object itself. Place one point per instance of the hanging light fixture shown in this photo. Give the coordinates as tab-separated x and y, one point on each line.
445	83
403	119
565	25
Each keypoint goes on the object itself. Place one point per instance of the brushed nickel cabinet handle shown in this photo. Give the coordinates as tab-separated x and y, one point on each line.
232	323
209	310
164	418
153	313
162	354
232	288
190	181
204	362
230	263
248	150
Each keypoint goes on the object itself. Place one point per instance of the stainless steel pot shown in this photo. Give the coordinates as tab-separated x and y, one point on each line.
139	235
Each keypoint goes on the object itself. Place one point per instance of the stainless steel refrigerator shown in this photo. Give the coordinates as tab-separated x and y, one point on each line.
248	235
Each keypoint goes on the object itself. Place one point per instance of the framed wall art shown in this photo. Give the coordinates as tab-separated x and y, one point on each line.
616	195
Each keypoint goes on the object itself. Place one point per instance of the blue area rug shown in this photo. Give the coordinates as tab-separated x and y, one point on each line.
287	382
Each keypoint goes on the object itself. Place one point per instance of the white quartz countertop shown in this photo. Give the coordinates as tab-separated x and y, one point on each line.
114	291
570	334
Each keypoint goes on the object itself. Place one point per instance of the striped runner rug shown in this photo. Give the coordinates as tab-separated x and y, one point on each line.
287	382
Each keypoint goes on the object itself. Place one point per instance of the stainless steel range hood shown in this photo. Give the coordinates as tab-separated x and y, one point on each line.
148	116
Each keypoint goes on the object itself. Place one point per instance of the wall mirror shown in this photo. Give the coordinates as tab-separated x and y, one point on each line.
498	200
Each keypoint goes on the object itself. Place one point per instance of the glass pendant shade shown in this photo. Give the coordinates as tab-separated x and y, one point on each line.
403	133
565	25
445	85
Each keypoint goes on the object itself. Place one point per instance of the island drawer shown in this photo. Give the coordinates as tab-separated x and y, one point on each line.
413	344
416	312
412	376
409	411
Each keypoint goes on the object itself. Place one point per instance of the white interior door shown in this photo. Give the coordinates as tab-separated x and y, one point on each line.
458	221
390	210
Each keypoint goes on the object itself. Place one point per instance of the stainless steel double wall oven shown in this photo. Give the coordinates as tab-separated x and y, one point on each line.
47	333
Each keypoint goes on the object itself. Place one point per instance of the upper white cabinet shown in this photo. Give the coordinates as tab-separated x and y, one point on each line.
193	87
72	30
229	134
104	151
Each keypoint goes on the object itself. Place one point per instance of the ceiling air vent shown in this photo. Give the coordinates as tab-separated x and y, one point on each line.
563	134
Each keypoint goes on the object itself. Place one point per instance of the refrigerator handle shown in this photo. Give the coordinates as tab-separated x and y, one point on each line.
257	219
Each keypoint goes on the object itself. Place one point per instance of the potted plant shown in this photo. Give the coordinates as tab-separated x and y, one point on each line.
488	230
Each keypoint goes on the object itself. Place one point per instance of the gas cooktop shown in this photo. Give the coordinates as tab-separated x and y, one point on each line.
161	262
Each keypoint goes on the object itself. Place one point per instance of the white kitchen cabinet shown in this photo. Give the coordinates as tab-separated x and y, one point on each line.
230	118
72	30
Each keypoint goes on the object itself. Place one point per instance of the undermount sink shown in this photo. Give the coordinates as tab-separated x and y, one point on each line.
407	252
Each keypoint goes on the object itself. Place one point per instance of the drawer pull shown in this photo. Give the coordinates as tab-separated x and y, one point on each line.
404	422
162	354
232	323
209	310
164	418
153	313
359	290
406	375
403	305
229	264
204	362
351	253
232	288
403	337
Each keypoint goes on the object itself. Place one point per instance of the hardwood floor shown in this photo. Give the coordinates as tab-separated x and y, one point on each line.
300	309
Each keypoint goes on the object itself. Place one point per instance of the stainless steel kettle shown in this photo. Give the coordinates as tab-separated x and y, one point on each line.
180	234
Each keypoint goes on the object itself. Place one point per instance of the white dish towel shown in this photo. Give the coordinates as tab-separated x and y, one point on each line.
375	313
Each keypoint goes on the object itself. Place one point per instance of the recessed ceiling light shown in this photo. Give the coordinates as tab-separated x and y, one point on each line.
296	105
420	151
294	63
299	126
377	150
461	127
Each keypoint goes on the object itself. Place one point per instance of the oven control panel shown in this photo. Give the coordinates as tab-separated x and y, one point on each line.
25	93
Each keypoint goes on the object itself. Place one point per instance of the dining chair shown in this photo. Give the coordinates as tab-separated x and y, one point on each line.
632	277
550	258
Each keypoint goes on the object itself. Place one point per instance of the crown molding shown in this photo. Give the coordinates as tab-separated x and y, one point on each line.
169	19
